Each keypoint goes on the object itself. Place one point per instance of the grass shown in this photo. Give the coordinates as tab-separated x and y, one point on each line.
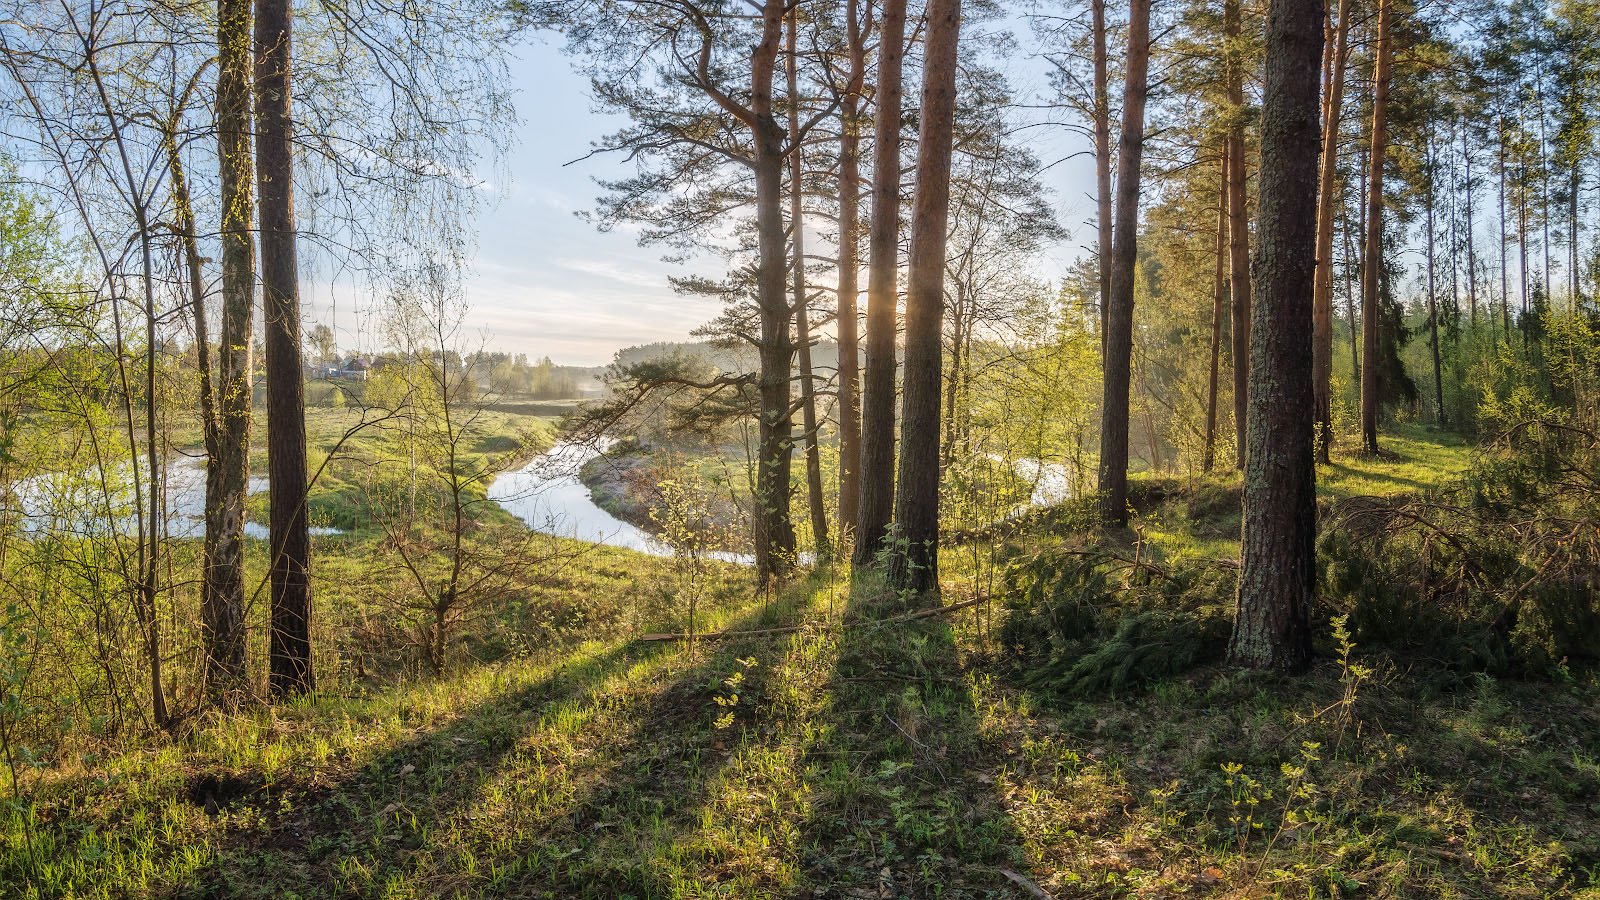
850	758
1200	516
368	454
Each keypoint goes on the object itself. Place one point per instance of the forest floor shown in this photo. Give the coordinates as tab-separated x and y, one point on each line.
853	757
850	758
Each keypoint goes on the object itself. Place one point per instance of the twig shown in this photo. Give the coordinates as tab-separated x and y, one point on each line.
1032	888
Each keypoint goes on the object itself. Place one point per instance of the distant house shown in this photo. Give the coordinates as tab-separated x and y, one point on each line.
354	369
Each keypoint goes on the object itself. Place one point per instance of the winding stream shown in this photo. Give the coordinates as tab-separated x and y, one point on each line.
547	495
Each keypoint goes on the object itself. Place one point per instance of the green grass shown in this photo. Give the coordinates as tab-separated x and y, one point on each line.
1200	516
1414	458
848	758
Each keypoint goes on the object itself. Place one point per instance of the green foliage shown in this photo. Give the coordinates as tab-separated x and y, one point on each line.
1082	623
1496	576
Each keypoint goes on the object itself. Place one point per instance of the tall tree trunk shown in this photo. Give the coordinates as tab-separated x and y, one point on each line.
1350	293
1219	289
774	532
1472	257
877	387
849	271
1522	244
1322	298
957	313
290	539
1277	579
802	313
1370	283
1113	485
1544	177
228	468
1455	235
1433	309
1572	217
1505	270
1239	226
916	568
1102	160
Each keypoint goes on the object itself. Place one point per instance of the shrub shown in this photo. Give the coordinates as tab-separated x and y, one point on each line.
1497	575
1081	622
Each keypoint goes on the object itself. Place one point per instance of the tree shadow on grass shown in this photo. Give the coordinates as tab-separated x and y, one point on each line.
553	789
901	770
316	836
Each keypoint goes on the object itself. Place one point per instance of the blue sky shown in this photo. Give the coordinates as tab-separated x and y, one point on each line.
547	283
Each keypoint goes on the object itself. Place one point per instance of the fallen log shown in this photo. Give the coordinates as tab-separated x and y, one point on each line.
791	629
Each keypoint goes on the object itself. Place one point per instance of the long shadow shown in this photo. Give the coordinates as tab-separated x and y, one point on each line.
718	817
650	791
900	772
538	791
424	779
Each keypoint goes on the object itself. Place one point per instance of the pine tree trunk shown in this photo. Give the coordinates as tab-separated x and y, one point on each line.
1370	282
1505	270
849	269
774	532
1102	160
290	539
1350	294
1522	252
1472	257
1277	577
1433	310
228	468
877	387
915	568
1322	299
1572	214
1238	227
1113	484
1219	289
802	313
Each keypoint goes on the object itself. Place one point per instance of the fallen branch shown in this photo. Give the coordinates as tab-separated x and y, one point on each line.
791	629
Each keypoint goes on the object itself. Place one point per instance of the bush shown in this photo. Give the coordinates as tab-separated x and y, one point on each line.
1496	576
1081	622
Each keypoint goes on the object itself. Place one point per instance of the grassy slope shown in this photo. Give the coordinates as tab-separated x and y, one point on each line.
861	761
1200	516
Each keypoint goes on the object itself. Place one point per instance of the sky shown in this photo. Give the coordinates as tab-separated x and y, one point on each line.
546	283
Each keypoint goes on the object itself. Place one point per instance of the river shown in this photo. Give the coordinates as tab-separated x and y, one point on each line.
547	495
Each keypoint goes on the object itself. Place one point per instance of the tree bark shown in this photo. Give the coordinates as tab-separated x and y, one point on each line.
290	540
1322	299
1370	282
228	466
1239	225
1277	576
849	270
774	532
802	313
877	387
1433	310
1472	257
1505	271
1102	160
1113	485
1218	302
915	567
